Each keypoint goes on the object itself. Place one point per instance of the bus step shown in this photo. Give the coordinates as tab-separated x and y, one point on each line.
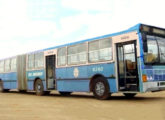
131	87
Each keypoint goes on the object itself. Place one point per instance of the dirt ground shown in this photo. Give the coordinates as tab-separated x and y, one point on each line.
28	106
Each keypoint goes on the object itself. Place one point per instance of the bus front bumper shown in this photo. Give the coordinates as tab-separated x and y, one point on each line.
153	86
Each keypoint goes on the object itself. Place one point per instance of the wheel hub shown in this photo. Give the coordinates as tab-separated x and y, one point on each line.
100	88
38	87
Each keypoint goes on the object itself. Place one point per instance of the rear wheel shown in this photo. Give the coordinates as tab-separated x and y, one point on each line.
1	87
47	92
22	91
39	87
129	95
101	88
65	93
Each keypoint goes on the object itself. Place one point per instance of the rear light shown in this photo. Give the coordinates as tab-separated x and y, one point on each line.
144	78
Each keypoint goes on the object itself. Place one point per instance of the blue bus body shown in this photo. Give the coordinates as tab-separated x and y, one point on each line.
67	82
121	73
10	80
32	75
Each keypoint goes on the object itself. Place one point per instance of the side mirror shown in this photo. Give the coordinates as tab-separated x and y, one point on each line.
144	39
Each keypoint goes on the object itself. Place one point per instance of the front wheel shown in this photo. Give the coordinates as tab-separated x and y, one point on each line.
129	95
39	87
101	88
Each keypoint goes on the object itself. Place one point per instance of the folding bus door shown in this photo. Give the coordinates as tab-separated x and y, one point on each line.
127	66
50	71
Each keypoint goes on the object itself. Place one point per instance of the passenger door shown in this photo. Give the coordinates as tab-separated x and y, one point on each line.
50	71
127	66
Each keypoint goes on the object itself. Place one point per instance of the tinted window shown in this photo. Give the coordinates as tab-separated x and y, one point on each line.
100	50
105	52
1	66
72	56
77	54
13	64
7	65
61	56
39	60
31	61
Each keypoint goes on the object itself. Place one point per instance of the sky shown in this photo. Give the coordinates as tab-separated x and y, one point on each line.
29	25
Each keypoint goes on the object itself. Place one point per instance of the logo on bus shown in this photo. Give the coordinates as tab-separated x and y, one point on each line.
76	72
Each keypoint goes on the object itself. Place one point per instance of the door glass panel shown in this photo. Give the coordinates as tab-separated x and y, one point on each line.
50	71
130	57
129	48
121	61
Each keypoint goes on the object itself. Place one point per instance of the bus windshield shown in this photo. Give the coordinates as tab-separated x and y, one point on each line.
156	50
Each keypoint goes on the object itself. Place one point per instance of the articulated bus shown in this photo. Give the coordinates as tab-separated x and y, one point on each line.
129	62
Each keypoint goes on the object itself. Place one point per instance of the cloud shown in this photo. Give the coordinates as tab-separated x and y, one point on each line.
87	5
20	33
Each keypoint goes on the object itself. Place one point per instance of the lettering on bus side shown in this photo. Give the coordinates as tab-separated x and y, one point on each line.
124	37
35	74
97	69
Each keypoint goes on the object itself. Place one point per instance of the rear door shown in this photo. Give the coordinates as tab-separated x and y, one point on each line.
50	71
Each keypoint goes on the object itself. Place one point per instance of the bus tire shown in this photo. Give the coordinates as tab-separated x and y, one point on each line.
129	95
65	93
101	88
1	87
39	87
22	91
47	92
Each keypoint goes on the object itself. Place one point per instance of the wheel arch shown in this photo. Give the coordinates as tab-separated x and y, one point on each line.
91	84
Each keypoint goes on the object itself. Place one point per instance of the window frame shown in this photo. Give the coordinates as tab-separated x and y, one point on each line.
77	54
3	66
38	60
8	65
60	56
111	58
13	70
101	60
30	68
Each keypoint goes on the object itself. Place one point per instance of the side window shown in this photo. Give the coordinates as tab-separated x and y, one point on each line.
1	66
77	54
82	53
94	51
61	56
30	61
13	64
72	56
100	50
7	65
105	51
39	60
